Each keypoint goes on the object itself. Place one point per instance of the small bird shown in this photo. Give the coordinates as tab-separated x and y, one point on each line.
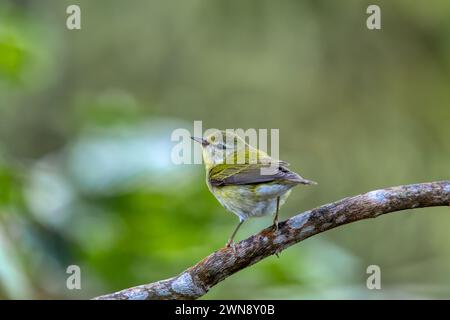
235	176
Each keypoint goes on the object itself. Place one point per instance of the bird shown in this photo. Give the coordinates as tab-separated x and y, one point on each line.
235	176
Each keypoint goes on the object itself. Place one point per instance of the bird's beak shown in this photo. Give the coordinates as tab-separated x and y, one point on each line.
200	140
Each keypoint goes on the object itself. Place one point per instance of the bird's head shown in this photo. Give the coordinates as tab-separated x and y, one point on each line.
219	146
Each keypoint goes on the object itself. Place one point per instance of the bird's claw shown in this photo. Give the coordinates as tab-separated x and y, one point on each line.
232	245
275	225
277	253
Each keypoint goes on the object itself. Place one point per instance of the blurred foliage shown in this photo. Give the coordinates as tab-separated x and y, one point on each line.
86	118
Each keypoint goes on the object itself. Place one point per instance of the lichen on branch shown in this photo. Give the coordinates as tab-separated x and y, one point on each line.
196	281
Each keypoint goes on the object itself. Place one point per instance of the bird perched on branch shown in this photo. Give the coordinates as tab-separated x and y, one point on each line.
245	180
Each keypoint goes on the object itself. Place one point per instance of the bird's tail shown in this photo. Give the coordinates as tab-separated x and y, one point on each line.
300	180
309	182
294	177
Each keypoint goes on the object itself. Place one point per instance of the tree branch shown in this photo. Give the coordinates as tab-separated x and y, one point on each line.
198	279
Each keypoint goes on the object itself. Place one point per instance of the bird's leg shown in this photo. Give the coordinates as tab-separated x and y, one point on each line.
275	219
230	242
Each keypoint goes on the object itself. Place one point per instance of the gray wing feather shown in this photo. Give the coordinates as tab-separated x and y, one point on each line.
252	175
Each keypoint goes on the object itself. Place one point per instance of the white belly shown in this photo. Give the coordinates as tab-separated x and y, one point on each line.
252	201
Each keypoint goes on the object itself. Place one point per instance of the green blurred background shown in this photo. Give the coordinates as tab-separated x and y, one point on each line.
86	117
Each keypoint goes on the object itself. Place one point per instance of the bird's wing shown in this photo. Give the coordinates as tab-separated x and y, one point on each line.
239	174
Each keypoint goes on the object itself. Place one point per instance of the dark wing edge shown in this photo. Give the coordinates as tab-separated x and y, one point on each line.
294	177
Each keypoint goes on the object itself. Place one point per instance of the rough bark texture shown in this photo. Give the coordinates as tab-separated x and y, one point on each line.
198	279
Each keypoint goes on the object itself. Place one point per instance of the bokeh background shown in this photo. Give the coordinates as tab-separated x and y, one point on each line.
86	118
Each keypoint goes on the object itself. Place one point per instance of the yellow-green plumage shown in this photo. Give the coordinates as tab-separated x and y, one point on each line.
234	177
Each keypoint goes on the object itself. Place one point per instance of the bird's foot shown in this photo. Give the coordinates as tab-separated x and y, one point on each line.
232	245
277	253
275	225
